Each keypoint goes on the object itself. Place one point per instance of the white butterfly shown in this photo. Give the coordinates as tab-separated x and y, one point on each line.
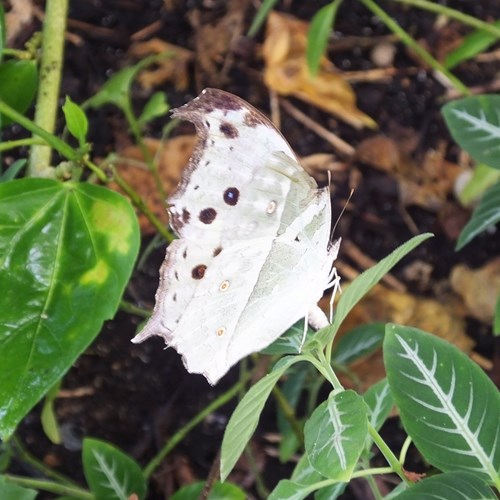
253	254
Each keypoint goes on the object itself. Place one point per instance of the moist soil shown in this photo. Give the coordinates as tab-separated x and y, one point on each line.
137	396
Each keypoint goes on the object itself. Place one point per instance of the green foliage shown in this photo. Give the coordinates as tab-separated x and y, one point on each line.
452	485
318	34
76	121
110	473
219	491
471	46
474	123
18	84
335	435
9	491
448	406
264	9
482	178
487	214
156	107
66	253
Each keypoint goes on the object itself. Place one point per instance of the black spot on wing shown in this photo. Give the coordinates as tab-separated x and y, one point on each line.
231	196
217	251
185	215
229	130
208	215
198	272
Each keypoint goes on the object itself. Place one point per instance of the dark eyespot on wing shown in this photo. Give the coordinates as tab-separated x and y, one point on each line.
185	215
231	196
229	130
217	251
174	297
198	272
185	253
208	215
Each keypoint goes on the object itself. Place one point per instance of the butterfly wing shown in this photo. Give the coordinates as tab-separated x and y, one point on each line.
240	206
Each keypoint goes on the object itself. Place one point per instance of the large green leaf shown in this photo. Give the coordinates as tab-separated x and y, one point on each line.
448	406
449	486
219	491
245	417
486	214
18	83
10	491
110	473
335	434
474	123
66	253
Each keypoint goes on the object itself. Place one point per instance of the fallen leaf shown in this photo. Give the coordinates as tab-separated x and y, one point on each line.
287	73
479	288
169	69
171	157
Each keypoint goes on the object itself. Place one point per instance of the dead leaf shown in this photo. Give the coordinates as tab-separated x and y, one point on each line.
287	73
16	20
169	69
479	288
171	157
426	184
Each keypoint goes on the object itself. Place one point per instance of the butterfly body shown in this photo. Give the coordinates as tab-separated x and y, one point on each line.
253	255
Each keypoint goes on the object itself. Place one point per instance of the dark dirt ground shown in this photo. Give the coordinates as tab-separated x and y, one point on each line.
136	397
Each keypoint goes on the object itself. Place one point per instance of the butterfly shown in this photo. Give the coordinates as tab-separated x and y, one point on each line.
254	253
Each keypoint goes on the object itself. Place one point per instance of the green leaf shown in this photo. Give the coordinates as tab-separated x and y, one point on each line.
482	178
110	473
496	319
450	485
289	490
448	406
245	417
66	253
485	215
116	90
13	170
358	343
219	491
10	491
474	123
290	342
363	284
319	31
18	84
335	435
48	417
330	492
261	15
380	402
473	44
76	120
156	106
2	30
305	473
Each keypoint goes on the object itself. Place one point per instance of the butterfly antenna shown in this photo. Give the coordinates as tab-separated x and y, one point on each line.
341	214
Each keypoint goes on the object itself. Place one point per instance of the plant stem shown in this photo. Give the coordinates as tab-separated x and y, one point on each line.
58	489
412	44
130	308
453	14
29	141
289	414
54	27
182	432
388	454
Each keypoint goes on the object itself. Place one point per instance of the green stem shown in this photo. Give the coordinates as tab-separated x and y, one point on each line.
289	414
54	27
26	457
65	150
40	484
453	14
373	487
18	54
412	44
181	433
29	141
328	367
130	308
388	454
404	450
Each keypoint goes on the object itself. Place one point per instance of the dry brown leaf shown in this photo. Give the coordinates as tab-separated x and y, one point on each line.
287	73
169	69
479	288
171	158
426	184
20	15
